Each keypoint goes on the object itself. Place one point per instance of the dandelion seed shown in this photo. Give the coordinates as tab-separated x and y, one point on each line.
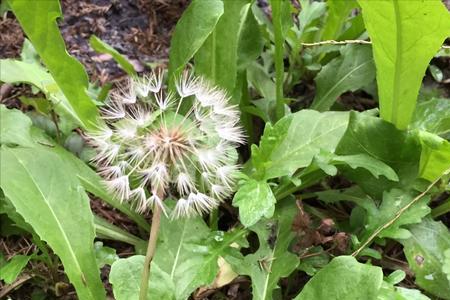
148	148
187	85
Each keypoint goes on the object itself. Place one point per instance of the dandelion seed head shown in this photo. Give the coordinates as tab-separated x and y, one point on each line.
151	144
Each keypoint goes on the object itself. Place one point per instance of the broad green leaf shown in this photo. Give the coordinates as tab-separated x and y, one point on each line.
272	261
344	278
50	199
405	37
393	202
191	31
126	274
38	20
217	58
14	127
425	251
13	268
102	47
293	142
338	12
390	292
255	200
352	70
435	156
188	252
250	43
381	140
15	71
433	116
446	265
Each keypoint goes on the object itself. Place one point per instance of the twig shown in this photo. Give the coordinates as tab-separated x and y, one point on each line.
397	215
346	42
7	289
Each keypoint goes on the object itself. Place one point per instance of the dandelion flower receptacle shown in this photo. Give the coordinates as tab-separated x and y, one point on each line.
148	145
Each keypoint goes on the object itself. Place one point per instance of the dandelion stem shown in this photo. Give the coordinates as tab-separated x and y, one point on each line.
151	248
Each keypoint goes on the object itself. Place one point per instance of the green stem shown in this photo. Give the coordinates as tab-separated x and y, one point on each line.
151	248
279	66
214	219
441	209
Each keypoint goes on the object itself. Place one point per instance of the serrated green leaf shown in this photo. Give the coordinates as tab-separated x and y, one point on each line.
393	202
424	251
191	31
272	261
38	20
293	142
102	47
50	199
405	37
381	140
344	278
255	200
328	161
338	11
352	70
12	269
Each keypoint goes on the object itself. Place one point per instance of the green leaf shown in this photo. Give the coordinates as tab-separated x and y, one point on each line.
393	202
432	116
294	140
381	140
217	58
338	12
327	161
102	47
277	20
390	292
104	255
38	20
446	265
272	261
250	43
255	200
352	70
405	37
435	156
14	71
191	31
13	268
126	274
50	199
424	251
14	127
344	278
188	252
